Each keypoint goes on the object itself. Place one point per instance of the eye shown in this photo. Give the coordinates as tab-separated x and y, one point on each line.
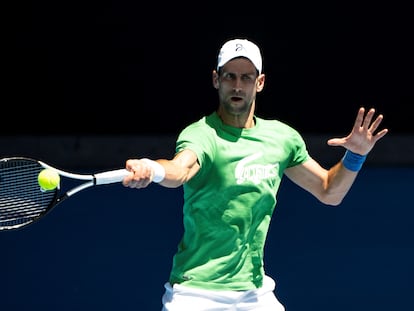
228	76
248	78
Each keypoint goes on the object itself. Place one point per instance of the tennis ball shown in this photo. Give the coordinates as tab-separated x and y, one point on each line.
48	179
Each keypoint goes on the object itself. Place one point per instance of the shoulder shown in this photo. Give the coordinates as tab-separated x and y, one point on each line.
274	123
277	127
204	125
198	136
191	137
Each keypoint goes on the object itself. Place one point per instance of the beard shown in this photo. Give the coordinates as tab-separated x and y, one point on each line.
236	106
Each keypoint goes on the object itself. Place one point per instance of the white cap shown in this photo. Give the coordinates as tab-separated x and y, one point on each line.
240	48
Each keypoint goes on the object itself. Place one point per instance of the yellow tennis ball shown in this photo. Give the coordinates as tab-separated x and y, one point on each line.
48	179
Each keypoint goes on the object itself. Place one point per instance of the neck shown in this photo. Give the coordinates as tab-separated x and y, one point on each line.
243	120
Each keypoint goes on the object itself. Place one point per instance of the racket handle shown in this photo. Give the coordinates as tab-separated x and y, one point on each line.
110	177
159	171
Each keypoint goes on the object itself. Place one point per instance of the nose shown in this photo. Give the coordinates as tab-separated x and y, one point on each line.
237	85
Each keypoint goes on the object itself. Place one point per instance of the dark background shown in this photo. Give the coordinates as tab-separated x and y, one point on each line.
110	249
125	67
77	68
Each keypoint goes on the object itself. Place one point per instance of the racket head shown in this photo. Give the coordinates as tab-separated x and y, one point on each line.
22	201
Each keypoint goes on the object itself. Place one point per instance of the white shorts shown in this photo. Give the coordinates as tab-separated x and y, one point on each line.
183	298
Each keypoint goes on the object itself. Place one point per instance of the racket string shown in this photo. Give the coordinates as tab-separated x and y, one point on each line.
21	198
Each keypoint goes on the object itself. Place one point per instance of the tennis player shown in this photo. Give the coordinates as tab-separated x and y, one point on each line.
230	164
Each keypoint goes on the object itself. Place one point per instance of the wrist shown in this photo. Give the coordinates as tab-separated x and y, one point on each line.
159	171
353	161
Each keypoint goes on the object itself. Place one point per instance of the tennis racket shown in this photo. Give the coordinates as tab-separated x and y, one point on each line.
22	201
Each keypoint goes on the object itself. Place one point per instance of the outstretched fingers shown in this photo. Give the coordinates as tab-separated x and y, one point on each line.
368	118
380	134
365	122
359	119
372	127
362	137
376	123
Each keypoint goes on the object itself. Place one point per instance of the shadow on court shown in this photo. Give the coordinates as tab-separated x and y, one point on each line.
110	248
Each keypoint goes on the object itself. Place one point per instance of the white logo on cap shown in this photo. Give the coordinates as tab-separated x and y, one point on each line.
239	47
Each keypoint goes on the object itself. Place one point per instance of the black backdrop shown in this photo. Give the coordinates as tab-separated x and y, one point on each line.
123	67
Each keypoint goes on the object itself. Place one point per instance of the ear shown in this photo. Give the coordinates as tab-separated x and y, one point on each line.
215	78
260	82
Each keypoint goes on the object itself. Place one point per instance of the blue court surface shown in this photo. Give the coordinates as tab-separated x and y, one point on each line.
110	248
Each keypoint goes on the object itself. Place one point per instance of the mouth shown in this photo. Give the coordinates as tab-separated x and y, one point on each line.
236	98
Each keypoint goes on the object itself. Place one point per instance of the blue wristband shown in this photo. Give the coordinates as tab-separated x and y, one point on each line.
353	161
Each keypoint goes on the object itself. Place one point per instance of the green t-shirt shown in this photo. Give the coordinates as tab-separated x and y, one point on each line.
228	205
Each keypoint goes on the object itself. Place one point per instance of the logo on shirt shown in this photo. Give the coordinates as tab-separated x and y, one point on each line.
246	171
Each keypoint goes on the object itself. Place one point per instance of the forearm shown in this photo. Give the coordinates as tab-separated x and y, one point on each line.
144	171
338	182
341	177
168	173
328	185
175	174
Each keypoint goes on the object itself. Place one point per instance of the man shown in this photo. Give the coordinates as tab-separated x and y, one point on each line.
230	164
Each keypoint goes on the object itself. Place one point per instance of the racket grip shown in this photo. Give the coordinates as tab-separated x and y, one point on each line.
159	171
110	177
